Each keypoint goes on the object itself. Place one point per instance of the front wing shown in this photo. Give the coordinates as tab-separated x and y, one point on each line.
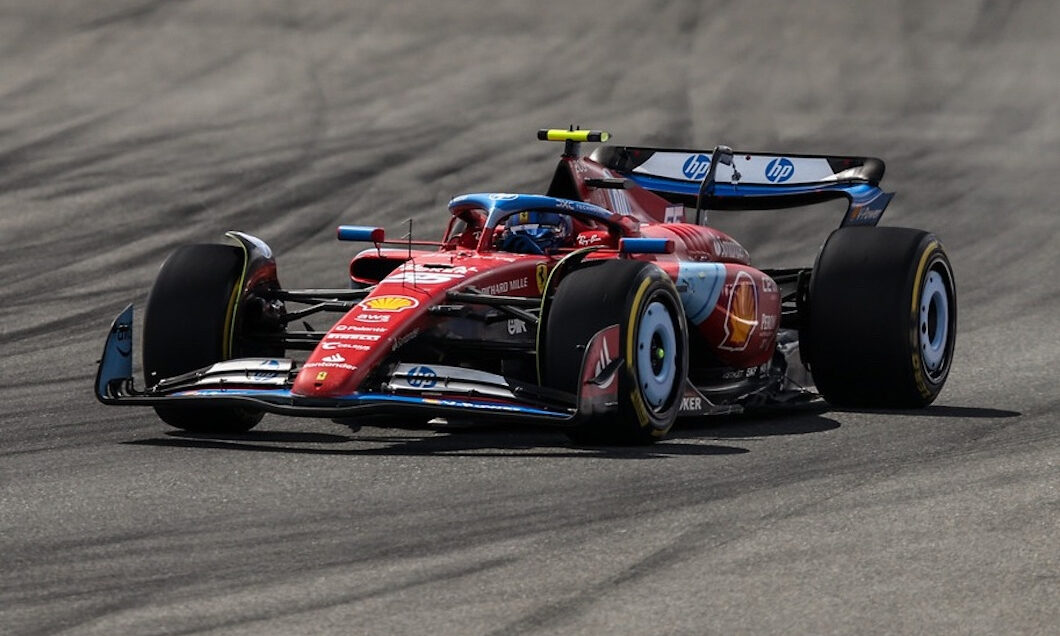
264	383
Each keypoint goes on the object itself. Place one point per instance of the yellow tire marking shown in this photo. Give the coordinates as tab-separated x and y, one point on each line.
638	403
918	374
230	313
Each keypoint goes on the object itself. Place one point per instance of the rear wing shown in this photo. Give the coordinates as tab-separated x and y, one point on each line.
765	181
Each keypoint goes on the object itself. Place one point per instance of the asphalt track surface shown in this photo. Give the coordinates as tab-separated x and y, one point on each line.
128	128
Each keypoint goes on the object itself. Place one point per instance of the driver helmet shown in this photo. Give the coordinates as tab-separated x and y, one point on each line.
536	232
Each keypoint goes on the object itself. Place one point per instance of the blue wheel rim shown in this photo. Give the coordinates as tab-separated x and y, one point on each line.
656	354
934	323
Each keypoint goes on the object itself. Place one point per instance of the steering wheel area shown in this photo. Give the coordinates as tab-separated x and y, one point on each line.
518	244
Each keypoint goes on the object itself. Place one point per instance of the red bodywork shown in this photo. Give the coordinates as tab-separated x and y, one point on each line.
740	329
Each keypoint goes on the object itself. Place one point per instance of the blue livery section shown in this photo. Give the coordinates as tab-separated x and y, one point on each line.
646	246
362	233
116	364
699	285
355	399
499	205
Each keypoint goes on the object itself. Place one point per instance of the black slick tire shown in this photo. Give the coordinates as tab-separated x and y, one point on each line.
189	324
882	318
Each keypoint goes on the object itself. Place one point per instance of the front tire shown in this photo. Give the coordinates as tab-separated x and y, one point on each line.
882	318
190	323
653	342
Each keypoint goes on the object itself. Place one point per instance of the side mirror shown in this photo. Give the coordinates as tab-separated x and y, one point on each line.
364	233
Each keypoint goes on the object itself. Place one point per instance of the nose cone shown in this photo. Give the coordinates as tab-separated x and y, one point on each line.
358	343
330	373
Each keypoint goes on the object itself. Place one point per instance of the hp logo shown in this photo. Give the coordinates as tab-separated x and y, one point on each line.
780	170
696	167
422	377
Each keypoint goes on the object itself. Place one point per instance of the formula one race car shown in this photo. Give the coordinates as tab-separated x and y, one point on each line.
598	307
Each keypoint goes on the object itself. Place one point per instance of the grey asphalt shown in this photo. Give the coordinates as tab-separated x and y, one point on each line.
128	128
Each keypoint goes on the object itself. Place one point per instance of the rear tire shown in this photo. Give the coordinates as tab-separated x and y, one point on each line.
189	324
882	318
653	340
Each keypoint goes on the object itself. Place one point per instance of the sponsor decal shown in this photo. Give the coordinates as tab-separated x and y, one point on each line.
692	404
768	322
362	337
729	249
264	373
331	346
503	196
400	342
335	357
372	318
756	169
413	277
585	239
422	377
779	170
516	327
741	374
769	286
361	328
388	303
473	405
741	313
323	375
330	365
619	202
865	214
506	286
541	277
426	275
696	167
674	214
123	335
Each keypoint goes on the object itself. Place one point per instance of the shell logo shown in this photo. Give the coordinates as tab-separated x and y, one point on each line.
741	316
388	303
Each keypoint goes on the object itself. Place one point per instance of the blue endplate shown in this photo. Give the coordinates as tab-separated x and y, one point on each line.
117	353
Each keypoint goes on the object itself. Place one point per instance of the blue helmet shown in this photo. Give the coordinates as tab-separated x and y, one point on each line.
530	232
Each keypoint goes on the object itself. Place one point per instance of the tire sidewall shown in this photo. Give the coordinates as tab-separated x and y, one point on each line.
931	259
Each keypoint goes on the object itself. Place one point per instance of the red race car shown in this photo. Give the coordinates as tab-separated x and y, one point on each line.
606	306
